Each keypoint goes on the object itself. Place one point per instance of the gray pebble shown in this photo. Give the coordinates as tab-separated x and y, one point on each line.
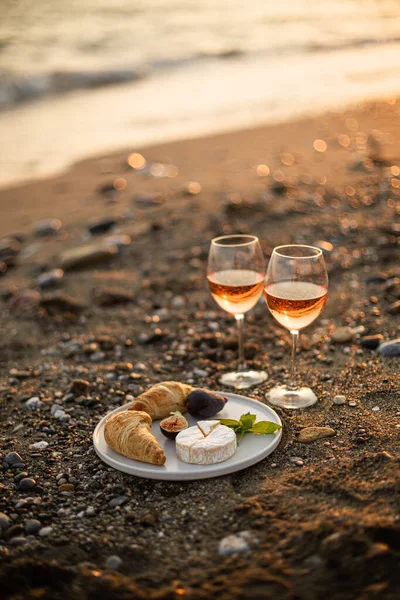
27	484
45	531
376	409
390	348
90	511
296	460
32	526
352	403
13	458
19	540
113	562
119	501
339	400
34	403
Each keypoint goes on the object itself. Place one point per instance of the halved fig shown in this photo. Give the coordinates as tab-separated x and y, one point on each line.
203	404
173	424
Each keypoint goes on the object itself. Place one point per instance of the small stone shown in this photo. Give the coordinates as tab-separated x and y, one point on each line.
87	256
390	348
296	460
47	227
79	387
59	302
113	296
39	445
45	531
314	562
375	409
24	301
352	403
32	526
99	226
4	522
113	562
200	372
339	400
50	278
119	240
119	501
342	335
148	519
237	543
59	414
311	434
34	403
90	511
178	302
371	341
66	487
13	458
394	309
27	484
19	540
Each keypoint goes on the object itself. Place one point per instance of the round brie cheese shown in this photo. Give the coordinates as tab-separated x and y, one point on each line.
193	447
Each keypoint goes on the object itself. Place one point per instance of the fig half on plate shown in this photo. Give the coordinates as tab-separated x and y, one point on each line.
172	425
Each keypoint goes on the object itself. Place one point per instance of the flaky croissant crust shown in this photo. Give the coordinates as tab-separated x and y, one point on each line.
128	433
162	399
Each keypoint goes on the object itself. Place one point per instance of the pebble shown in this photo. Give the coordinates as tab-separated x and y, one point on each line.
39	445
113	296
90	511
376	409
371	341
45	531
236	543
50	278
296	460
311	434
79	387
339	400
119	501
390	348
341	335
394	309
99	226
66	487
27	484
47	227
119	240
4	522
178	302
19	540
58	301
33	403
113	562
13	458
24	301
87	256
352	403
32	526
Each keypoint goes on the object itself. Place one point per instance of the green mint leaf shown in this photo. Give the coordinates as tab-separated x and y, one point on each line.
265	427
247	420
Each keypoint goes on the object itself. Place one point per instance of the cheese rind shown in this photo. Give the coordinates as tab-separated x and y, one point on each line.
206	427
193	448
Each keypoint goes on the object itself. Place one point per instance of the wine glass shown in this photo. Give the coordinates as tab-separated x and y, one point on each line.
296	290
235	275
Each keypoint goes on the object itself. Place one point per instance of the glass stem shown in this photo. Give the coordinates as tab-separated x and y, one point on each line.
292	379
241	360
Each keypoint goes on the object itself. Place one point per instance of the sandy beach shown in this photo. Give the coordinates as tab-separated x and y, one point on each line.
134	309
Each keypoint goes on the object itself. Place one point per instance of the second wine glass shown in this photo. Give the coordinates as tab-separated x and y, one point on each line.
235	275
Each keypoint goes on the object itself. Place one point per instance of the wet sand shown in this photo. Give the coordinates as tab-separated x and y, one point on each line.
323	517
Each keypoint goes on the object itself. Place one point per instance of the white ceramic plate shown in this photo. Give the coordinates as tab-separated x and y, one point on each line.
252	449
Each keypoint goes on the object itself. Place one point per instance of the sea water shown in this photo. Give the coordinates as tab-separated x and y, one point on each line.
80	77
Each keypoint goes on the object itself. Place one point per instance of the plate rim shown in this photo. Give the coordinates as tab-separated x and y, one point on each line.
143	472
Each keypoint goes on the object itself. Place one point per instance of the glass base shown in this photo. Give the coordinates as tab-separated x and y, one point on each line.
282	396
243	379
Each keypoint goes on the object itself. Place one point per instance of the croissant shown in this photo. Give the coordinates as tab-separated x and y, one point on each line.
162	399
128	433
